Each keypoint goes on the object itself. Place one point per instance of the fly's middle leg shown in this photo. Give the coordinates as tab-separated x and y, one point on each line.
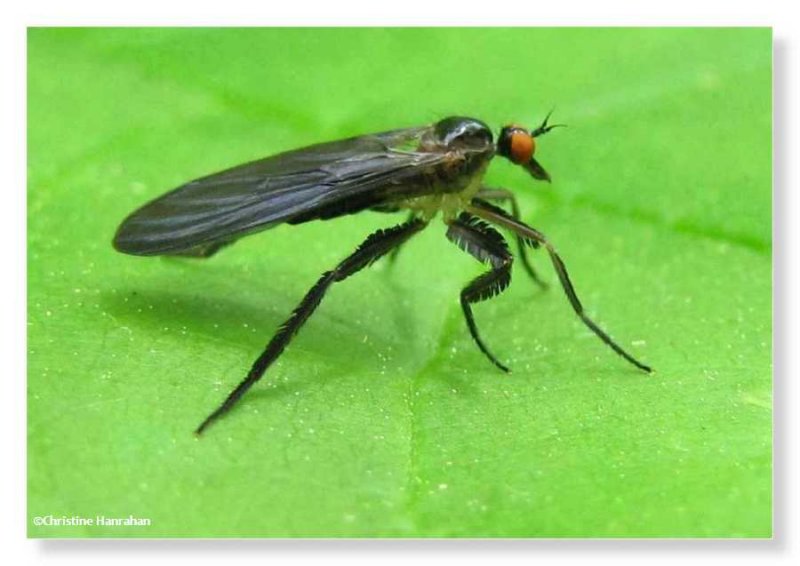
532	236
486	245
504	195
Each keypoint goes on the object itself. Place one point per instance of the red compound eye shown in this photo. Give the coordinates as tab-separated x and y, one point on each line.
522	147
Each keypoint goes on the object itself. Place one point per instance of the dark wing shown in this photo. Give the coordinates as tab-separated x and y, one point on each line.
321	181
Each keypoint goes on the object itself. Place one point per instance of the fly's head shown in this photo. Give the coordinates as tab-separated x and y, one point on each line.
518	145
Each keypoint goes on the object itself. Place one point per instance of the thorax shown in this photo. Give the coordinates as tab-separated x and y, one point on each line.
449	203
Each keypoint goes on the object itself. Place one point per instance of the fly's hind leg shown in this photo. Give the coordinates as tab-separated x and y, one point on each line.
487	193
486	245
392	257
373	248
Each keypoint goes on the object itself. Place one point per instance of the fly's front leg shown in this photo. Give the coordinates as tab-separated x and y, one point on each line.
373	248
530	235
486	245
487	193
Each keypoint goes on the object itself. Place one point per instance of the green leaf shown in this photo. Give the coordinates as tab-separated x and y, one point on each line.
382	418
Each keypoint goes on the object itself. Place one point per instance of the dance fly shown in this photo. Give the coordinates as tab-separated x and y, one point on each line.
424	171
